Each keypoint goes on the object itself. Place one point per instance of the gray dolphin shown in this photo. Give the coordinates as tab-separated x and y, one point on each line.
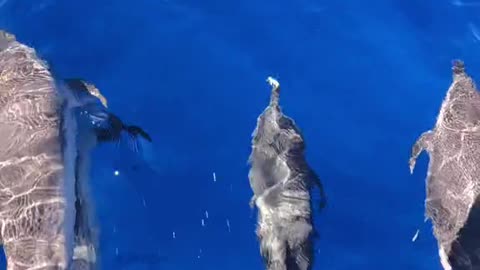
101	126
86	249
453	179
281	181
44	164
37	162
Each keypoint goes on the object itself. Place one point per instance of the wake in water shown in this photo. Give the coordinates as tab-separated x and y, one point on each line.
460	3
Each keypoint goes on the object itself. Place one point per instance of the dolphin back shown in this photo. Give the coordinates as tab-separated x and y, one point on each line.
36	171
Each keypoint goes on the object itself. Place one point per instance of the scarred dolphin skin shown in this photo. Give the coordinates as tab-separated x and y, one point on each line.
281	181
453	179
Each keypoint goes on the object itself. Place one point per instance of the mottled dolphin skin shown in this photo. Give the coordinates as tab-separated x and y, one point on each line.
37	157
453	179
281	181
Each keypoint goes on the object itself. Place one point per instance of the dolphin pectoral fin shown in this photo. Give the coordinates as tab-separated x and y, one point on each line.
135	131
5	39
423	143
136	135
107	126
323	197
110	128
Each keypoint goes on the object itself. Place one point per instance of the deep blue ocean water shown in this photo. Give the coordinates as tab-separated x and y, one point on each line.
362	79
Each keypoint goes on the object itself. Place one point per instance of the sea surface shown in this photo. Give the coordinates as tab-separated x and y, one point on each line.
362	79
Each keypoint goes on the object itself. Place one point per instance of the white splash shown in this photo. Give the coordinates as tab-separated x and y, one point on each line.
203	222
214	177
459	3
273	82
475	32
228	225
116	173
174	235
415	236
206	213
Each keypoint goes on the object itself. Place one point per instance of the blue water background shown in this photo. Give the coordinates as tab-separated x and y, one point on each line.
362	79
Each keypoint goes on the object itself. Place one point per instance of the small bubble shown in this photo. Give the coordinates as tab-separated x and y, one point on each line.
228	225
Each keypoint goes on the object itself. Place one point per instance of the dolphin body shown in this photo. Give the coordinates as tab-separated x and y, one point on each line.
453	179
86	246
98	126
281	181
37	162
46	213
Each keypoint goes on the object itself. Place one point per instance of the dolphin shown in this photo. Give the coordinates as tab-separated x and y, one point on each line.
453	178
99	126
44	163
37	162
282	181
